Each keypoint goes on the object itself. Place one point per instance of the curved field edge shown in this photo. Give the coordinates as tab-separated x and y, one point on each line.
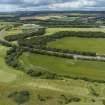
79	68
41	87
7	74
51	88
80	44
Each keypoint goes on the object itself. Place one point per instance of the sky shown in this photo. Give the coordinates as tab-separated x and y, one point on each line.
42	5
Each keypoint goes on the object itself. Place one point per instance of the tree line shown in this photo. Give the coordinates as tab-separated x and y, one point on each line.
14	52
12	56
64	23
41	41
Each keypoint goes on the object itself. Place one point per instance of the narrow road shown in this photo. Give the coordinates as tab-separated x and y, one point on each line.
2	32
84	57
75	56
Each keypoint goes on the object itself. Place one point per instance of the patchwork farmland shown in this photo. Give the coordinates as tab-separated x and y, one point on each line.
52	60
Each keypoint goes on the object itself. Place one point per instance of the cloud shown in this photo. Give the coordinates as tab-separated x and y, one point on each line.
31	5
8	8
73	4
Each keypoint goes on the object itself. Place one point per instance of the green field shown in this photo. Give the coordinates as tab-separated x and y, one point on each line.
53	91
50	31
7	32
90	69
14	80
7	74
80	44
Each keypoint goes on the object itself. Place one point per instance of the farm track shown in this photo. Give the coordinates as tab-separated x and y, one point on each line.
2	32
67	55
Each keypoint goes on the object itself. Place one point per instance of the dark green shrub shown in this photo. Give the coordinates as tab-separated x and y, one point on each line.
69	99
20	97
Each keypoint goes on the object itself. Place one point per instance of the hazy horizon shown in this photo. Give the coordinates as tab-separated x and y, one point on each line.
51	5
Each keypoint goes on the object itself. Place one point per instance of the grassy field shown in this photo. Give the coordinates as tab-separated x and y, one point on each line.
90	69
10	32
13	32
7	32
15	80
80	44
52	90
7	74
50	31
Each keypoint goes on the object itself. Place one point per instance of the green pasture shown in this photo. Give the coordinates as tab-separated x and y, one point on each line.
15	80
79	68
50	31
80	44
7	74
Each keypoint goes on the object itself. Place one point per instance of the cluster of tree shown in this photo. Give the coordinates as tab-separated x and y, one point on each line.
40	31
34	41
49	53
43	98
69	99
12	57
66	23
43	40
63	99
9	19
67	51
103	101
20	97
42	74
5	43
94	92
83	34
